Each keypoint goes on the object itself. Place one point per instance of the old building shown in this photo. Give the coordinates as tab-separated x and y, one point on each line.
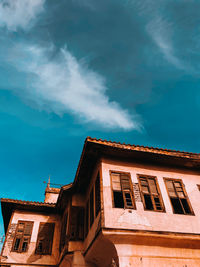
128	206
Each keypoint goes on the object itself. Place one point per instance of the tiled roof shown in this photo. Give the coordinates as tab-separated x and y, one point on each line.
23	202
155	150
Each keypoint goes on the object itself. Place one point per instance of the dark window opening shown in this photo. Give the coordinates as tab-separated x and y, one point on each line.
16	245
63	235
157	203
118	199
177	206
86	218
76	224
97	195
150	193
128	199
178	196
91	207
45	238
185	206
122	191
148	202
25	244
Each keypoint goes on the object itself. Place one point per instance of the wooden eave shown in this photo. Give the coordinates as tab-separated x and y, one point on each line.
8	206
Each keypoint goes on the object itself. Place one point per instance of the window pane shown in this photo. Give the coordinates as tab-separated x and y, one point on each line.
125	181
17	242
157	203
25	245
118	199
177	206
177	184
148	202
116	182
128	199
145	189
180	193
185	206
143	181
153	187
20	227
170	188
28	228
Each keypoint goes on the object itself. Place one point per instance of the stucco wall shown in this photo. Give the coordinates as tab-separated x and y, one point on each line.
154	256
30	257
151	220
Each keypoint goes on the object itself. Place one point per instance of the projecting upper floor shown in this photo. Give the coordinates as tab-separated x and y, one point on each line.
154	198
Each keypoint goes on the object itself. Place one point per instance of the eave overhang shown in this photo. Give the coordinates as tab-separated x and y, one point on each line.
10	205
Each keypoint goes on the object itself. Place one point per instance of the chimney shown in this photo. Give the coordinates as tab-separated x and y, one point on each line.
51	194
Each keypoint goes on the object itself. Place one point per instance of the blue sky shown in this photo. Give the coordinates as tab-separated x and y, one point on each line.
122	70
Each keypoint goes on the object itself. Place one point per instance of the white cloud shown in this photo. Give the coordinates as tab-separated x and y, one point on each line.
161	32
65	85
16	14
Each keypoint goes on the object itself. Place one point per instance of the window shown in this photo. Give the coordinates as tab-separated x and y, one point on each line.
122	190
76	230
63	236
45	238
97	195
93	205
178	196
22	236
86	218
150	191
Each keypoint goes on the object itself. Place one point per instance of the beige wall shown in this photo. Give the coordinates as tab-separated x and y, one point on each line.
51	197
30	257
156	256
151	220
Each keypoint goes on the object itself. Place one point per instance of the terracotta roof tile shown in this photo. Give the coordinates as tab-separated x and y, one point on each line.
156	150
23	202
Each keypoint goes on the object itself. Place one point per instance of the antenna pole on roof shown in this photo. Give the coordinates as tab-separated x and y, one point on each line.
48	184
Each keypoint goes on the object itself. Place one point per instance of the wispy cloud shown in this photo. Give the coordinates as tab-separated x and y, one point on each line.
161	30
16	14
64	84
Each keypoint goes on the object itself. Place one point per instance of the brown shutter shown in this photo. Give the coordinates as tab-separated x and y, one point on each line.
22	236
125	182
28	228
127	190
45	238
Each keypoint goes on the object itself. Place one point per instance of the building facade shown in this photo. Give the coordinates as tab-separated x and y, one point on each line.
128	206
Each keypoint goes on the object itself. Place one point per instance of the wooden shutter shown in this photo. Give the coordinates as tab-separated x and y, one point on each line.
178	196
22	236
127	190
151	195
45	238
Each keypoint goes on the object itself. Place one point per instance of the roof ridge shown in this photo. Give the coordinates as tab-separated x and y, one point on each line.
141	146
26	201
